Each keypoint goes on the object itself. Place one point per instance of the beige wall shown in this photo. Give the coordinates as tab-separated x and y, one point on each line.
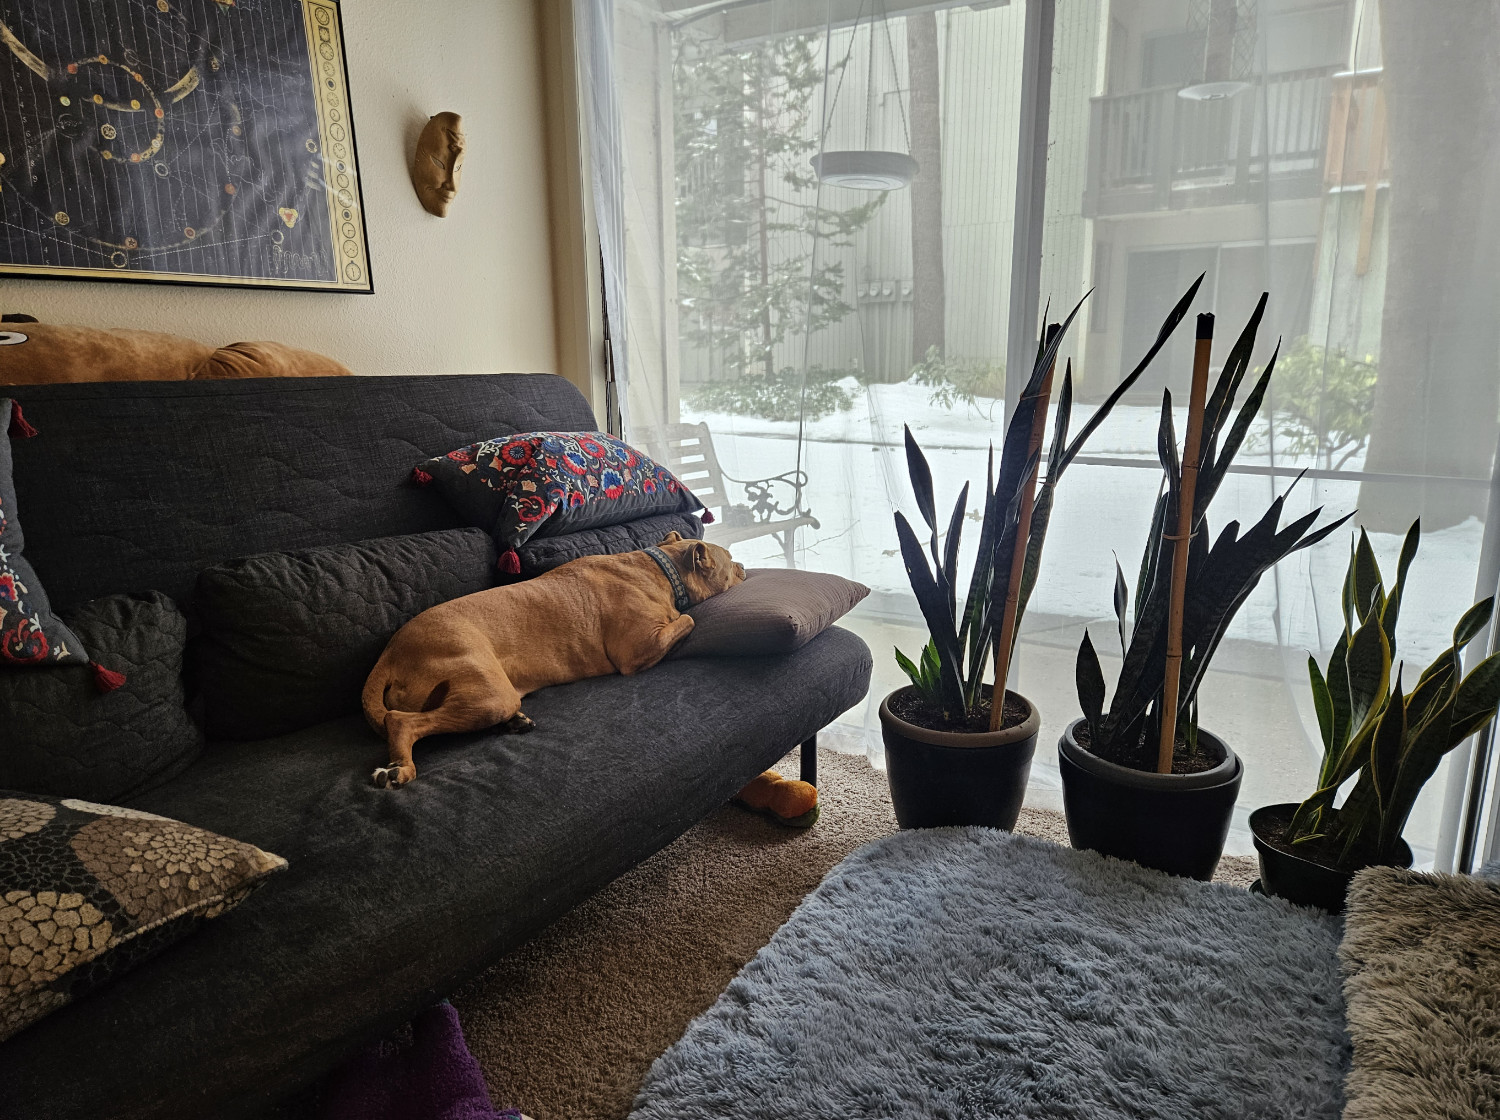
466	294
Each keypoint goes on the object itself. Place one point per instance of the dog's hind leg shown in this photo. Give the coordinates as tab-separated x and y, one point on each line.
402	730
472	700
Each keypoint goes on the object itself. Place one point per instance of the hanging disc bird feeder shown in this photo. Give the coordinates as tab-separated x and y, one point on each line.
866	169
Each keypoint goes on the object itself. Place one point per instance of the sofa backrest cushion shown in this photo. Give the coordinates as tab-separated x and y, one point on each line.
288	638
63	737
141	485
542	554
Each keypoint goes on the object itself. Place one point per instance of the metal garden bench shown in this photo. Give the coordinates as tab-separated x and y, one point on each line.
772	506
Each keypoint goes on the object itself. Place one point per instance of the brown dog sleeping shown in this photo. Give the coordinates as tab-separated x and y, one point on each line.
466	664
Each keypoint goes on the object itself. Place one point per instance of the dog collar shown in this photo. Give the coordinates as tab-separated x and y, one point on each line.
680	597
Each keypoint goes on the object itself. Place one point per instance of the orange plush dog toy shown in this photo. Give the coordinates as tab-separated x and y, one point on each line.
34	353
785	801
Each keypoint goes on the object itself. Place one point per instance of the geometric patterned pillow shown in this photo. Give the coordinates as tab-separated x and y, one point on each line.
89	891
29	632
545	483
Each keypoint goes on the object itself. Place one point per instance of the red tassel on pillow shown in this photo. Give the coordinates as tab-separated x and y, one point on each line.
106	680
708	517
20	427
420	477
510	562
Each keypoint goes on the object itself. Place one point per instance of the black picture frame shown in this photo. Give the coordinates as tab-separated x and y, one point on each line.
203	142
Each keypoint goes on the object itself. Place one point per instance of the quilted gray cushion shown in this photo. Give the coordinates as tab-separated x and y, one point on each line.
289	637
542	554
62	737
159	480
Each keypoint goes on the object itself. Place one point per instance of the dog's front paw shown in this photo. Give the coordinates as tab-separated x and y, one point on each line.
518	724
391	777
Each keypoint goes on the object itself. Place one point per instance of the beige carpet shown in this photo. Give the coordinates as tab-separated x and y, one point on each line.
566	1026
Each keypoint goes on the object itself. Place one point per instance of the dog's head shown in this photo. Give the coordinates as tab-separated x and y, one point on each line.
706	568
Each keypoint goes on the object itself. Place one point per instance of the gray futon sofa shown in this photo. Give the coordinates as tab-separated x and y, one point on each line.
392	897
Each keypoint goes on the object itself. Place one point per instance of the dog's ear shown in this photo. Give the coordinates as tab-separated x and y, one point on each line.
672	538
702	558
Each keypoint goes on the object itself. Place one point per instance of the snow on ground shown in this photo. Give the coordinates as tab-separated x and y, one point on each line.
856	469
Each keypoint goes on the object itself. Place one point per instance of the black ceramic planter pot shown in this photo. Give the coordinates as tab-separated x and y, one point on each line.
1176	823
950	777
1299	880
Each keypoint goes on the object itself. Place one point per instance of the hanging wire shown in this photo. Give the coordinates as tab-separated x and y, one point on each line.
870	82
812	264
890	47
843	69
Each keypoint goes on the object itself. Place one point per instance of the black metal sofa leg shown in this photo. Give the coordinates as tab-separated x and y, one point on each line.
810	761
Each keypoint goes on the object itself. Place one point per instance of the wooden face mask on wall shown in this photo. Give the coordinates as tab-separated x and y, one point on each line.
437	168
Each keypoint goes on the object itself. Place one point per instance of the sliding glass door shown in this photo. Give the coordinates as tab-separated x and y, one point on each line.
845	216
1274	146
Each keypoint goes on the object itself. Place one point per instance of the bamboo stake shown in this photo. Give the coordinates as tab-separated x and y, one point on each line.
1005	643
1182	541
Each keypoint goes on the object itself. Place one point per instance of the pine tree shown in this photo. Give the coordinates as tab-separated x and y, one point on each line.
756	255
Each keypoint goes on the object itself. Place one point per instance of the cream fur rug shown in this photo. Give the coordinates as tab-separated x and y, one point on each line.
1421	956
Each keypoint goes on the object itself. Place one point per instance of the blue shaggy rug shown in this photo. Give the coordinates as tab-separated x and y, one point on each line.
966	973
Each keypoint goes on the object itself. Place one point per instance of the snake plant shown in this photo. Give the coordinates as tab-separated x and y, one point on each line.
950	673
1220	577
1388	740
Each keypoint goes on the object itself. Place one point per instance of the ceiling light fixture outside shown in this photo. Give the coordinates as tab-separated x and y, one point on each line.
866	170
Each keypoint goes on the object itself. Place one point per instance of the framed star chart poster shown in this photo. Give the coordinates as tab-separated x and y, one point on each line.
179	141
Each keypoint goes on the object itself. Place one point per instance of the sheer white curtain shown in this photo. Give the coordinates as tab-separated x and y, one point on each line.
594	21
797	325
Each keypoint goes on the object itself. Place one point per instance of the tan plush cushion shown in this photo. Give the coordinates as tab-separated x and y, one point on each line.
50	354
268	359
776	610
89	891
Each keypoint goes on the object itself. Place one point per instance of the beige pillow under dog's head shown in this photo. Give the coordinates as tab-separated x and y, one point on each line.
776	610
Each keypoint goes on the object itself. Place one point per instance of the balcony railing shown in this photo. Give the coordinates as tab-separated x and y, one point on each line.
1154	150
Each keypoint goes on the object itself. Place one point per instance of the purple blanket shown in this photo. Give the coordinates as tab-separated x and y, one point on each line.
435	1078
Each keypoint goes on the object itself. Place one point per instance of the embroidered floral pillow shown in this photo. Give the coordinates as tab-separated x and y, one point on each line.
29	632
546	483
